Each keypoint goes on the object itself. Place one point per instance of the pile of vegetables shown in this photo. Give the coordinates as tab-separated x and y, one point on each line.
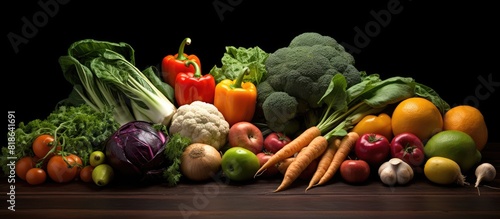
76	129
163	126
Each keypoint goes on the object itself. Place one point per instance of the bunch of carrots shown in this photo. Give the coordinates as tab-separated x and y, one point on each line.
329	140
309	146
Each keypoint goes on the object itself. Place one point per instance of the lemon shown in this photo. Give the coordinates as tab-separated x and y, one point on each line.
444	171
455	145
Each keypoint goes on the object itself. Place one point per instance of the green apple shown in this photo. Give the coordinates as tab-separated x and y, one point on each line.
239	164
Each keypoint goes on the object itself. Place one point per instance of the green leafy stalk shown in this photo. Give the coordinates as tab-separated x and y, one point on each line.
96	67
346	107
86	86
175	147
148	103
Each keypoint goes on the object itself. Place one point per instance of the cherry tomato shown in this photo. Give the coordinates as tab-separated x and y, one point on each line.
42	145
86	174
62	169
36	176
23	165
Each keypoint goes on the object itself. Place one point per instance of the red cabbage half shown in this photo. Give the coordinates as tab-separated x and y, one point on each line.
136	151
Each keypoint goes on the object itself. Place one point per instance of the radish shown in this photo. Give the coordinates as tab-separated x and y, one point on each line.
485	172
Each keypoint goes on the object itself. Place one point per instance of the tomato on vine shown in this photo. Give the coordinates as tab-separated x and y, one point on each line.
23	165
78	162
36	176
62	168
42	145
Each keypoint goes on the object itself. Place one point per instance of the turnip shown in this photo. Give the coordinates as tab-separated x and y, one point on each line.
485	172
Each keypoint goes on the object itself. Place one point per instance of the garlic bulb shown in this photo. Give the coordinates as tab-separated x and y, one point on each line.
395	171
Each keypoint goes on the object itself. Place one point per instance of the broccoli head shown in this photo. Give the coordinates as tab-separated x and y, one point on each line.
304	69
280	111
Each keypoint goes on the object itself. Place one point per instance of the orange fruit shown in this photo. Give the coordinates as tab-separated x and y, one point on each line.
418	116
467	119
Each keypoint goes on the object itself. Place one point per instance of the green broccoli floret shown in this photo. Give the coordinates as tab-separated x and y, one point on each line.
304	70
281	111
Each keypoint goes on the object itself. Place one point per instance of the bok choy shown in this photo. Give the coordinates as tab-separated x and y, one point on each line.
104	76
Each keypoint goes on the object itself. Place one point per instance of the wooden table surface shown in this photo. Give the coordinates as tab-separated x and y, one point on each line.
222	199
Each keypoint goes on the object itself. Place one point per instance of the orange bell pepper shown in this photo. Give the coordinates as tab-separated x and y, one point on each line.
235	99
380	124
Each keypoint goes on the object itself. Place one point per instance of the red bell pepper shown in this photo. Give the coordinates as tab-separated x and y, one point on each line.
191	86
173	64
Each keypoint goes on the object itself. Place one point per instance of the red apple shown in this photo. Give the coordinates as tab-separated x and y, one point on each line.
355	171
246	135
263	158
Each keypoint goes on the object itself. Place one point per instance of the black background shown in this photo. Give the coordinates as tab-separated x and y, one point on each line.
447	46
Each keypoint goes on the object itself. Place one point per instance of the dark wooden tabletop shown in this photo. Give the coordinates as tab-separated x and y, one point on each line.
222	199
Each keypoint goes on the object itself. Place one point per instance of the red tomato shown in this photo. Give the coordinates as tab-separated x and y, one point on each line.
42	145
263	158
78	163
23	165
275	141
372	148
61	169
355	171
86	174
409	148
36	176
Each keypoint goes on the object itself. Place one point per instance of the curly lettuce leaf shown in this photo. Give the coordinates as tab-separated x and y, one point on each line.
236	59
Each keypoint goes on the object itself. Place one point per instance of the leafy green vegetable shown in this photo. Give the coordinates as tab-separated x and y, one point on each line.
104	76
346	107
79	130
236	59
175	147
148	103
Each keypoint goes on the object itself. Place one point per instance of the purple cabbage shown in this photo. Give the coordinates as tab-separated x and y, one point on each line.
136	151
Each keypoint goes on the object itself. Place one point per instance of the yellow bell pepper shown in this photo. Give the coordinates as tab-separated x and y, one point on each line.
380	124
235	99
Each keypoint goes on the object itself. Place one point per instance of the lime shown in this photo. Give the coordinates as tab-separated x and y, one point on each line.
455	145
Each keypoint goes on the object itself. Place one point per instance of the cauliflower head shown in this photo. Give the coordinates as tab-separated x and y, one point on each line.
201	122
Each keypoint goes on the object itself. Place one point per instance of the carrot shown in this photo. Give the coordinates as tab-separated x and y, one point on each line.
314	150
284	164
291	148
324	162
345	147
